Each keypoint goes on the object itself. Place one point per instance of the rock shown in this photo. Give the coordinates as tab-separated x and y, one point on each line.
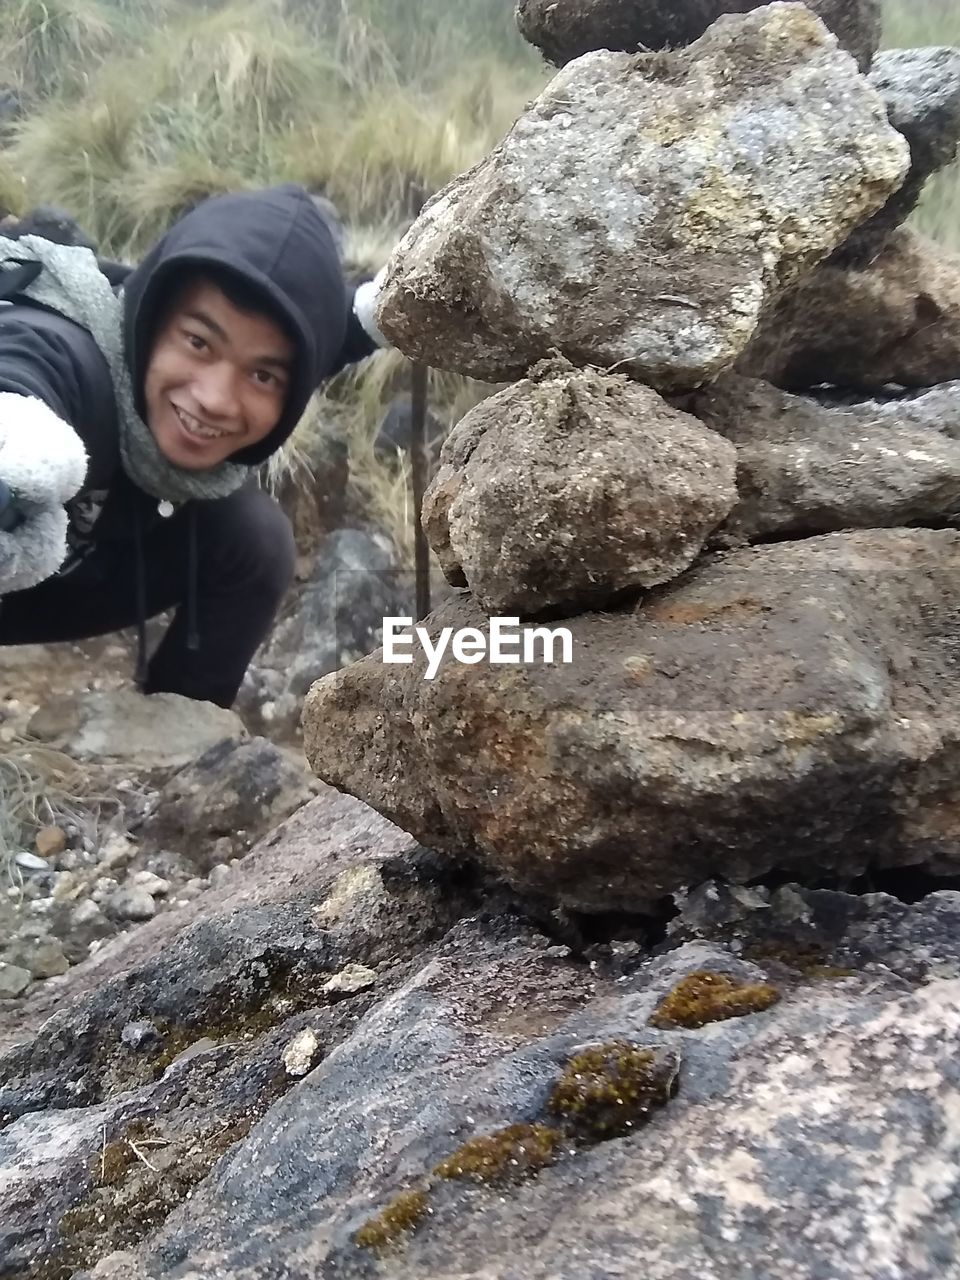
355	977
155	885
846	1083
116	851
43	958
894	320
339	614
31	862
79	926
13	980
130	904
50	841
569	487
138	1035
340	869
764	712
162	731
301	1053
727	171
228	983
393	434
233	794
566	29
807	468
921	90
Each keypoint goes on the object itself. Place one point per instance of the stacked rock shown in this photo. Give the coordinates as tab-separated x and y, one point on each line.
667	251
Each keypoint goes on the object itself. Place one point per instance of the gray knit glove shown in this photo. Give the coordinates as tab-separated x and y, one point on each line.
43	462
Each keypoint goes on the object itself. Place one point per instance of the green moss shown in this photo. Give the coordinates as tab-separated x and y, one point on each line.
812	959
111	1165
403	1213
704	997
511	1152
610	1089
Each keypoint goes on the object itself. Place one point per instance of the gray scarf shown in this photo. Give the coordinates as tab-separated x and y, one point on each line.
73	285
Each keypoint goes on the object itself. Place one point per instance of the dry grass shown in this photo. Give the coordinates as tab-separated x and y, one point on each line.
38	786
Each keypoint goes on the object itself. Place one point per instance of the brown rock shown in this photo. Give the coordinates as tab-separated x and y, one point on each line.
50	841
569	487
764	712
895	320
566	29
805	467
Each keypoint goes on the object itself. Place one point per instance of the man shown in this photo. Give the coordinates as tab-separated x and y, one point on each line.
132	423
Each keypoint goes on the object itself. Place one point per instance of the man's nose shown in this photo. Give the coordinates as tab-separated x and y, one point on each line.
216	389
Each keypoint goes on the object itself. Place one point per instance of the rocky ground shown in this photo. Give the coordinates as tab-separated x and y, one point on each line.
643	964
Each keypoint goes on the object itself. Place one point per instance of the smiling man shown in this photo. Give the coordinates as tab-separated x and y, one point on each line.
133	421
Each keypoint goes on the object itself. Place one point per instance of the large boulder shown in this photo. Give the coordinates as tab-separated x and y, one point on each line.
500	1108
805	467
895	319
766	711
645	208
921	90
569	487
566	29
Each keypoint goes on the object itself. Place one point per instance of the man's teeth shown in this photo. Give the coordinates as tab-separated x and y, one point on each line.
195	428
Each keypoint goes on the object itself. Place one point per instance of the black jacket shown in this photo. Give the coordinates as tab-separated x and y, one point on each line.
276	240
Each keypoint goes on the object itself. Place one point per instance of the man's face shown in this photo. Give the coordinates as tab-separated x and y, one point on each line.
217	378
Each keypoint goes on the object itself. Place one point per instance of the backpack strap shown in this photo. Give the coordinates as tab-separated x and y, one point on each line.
15	281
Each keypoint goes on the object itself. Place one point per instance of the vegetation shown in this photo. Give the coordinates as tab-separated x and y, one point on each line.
134	110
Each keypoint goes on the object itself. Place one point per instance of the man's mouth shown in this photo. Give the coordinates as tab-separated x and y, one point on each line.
197	429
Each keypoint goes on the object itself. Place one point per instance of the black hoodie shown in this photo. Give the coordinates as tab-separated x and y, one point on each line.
278	242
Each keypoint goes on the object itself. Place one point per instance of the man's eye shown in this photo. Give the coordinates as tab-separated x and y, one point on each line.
266	378
195	340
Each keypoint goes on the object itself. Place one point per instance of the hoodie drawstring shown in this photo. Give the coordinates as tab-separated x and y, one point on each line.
193	635
141	587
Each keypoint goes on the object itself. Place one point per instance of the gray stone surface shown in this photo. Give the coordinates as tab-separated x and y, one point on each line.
787	706
806	468
843	1093
921	90
570	487
726	171
337	618
221	804
162	731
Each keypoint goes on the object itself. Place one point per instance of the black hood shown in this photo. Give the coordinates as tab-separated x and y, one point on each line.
278	242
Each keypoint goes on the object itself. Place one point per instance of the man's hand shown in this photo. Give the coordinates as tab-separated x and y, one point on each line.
365	299
42	465
34	550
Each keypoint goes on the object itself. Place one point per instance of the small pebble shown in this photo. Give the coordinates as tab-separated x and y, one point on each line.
301	1053
353	977
31	862
50	841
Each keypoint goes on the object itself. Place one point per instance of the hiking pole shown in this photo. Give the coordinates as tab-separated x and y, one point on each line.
418	469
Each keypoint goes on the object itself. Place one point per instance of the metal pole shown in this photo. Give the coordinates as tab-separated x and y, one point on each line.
418	469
